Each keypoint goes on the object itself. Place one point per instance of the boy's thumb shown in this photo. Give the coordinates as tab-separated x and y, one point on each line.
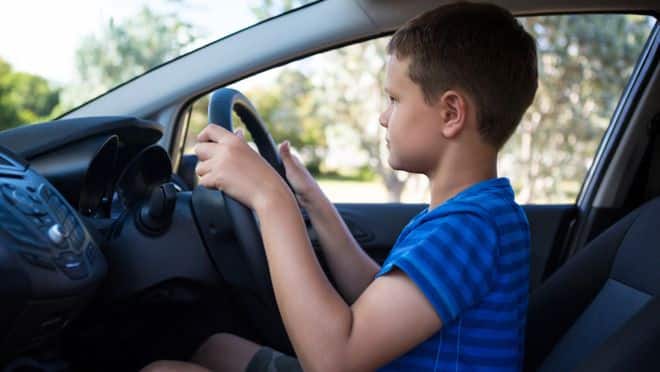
286	155
285	150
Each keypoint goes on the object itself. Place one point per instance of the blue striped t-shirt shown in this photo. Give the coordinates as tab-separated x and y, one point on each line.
470	258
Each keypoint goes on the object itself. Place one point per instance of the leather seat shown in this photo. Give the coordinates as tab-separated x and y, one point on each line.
601	310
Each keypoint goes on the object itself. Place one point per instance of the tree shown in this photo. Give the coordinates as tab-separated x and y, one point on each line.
351	90
291	112
347	88
584	64
287	105
124	50
24	98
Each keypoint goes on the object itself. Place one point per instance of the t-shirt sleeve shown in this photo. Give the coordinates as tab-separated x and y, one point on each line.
452	261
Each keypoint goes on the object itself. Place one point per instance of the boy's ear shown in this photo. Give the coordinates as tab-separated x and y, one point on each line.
453	113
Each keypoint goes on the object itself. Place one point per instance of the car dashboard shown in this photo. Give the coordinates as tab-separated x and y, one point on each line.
49	260
57	180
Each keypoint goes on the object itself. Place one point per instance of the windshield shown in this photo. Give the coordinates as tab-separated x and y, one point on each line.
55	56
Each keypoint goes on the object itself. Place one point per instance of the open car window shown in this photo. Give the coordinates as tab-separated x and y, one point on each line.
327	106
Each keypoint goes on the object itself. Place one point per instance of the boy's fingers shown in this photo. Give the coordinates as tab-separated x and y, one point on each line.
288	158
204	135
284	149
285	153
204	150
212	132
205	181
202	168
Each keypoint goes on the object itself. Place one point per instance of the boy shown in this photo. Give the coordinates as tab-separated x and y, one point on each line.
452	294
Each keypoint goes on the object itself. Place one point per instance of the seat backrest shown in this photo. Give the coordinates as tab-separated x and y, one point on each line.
604	300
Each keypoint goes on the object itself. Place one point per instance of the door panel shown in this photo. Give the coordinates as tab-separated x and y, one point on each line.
377	226
381	223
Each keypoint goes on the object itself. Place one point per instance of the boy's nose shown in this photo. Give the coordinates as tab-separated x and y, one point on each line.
382	118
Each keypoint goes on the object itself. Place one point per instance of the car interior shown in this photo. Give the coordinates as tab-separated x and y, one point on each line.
112	257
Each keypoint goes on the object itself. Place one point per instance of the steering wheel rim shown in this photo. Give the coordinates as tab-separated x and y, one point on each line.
223	102
228	219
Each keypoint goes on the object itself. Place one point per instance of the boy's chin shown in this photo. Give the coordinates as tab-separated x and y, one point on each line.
392	162
400	165
396	164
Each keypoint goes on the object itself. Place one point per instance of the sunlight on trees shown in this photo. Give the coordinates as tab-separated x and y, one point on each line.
121	51
24	98
585	62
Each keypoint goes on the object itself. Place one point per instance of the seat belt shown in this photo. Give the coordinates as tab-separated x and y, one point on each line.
652	188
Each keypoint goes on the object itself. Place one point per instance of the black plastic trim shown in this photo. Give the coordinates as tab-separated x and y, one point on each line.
33	140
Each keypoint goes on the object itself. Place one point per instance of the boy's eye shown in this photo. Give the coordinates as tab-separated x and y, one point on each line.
391	99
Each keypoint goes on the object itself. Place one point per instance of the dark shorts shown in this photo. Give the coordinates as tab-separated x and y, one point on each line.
269	360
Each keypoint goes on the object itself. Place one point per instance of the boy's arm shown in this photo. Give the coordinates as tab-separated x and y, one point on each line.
351	268
390	317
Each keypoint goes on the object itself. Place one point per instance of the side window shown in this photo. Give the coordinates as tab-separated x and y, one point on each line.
327	106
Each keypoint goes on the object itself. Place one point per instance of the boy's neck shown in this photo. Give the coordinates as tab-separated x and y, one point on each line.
455	175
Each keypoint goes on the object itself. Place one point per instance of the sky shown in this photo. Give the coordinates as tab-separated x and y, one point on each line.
41	37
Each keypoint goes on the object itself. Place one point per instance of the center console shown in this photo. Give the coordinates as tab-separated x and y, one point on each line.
49	263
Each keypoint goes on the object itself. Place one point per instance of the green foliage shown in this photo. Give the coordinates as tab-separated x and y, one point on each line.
361	174
118	53
584	64
122	51
289	110
24	98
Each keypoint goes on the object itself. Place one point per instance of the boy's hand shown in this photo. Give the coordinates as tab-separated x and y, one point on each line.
302	182
226	162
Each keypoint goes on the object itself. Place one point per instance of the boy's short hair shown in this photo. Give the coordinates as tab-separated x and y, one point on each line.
480	49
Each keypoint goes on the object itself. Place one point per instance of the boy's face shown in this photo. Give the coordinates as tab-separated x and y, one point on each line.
414	136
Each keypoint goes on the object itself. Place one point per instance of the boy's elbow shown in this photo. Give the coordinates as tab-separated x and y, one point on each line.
330	364
338	361
330	359
334	355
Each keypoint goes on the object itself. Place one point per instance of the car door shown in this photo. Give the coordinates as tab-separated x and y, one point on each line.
327	106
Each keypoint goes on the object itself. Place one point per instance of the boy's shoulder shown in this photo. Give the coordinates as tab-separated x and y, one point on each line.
485	208
463	235
488	199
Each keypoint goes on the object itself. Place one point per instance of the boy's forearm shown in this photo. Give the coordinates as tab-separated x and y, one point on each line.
303	293
351	267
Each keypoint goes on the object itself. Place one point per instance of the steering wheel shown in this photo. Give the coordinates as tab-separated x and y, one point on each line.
229	228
